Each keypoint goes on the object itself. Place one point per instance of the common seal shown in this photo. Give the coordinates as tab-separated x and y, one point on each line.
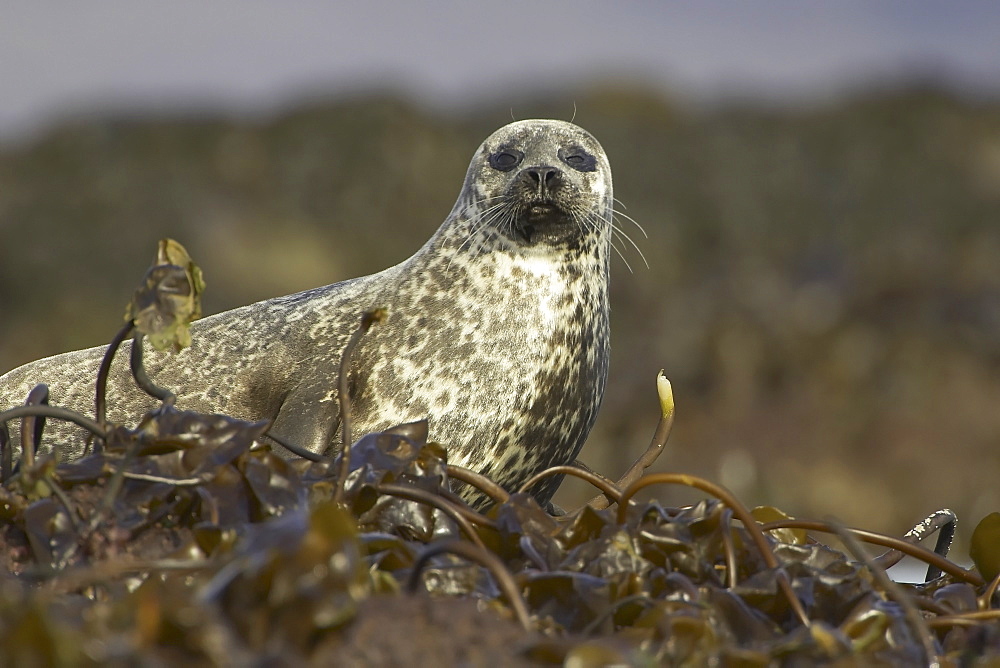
497	328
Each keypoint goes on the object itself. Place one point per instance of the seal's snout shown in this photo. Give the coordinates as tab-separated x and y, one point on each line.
542	180
542	215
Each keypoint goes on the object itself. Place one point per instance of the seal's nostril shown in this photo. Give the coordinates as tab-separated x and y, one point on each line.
543	177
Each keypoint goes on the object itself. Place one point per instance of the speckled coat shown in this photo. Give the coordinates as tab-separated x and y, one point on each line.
497	328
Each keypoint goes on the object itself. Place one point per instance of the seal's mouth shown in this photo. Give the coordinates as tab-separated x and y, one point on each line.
543	222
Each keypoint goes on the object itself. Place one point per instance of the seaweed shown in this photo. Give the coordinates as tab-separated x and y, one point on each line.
187	538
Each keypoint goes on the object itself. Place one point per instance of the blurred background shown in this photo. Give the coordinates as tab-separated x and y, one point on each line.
820	186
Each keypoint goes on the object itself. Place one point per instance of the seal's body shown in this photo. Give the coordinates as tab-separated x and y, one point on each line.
497	329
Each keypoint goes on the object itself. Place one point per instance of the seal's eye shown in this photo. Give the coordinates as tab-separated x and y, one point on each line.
578	159
506	159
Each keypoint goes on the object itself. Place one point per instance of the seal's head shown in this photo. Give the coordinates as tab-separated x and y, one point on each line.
538	185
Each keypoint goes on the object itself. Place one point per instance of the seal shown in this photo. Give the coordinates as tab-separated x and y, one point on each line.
497	329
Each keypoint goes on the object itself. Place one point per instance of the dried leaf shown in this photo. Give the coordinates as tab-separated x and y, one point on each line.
984	546
169	298
765	514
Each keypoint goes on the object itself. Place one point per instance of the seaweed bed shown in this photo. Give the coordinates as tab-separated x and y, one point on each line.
188	539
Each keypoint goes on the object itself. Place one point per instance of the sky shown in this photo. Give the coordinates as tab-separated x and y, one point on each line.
63	58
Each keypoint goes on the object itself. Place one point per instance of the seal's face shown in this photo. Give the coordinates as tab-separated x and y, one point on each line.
538	184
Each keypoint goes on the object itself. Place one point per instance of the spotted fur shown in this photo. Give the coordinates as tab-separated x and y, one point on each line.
497	328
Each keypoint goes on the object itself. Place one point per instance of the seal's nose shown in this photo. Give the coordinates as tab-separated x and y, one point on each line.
543	179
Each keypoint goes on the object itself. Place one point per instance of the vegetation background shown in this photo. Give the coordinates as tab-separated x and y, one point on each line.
823	286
